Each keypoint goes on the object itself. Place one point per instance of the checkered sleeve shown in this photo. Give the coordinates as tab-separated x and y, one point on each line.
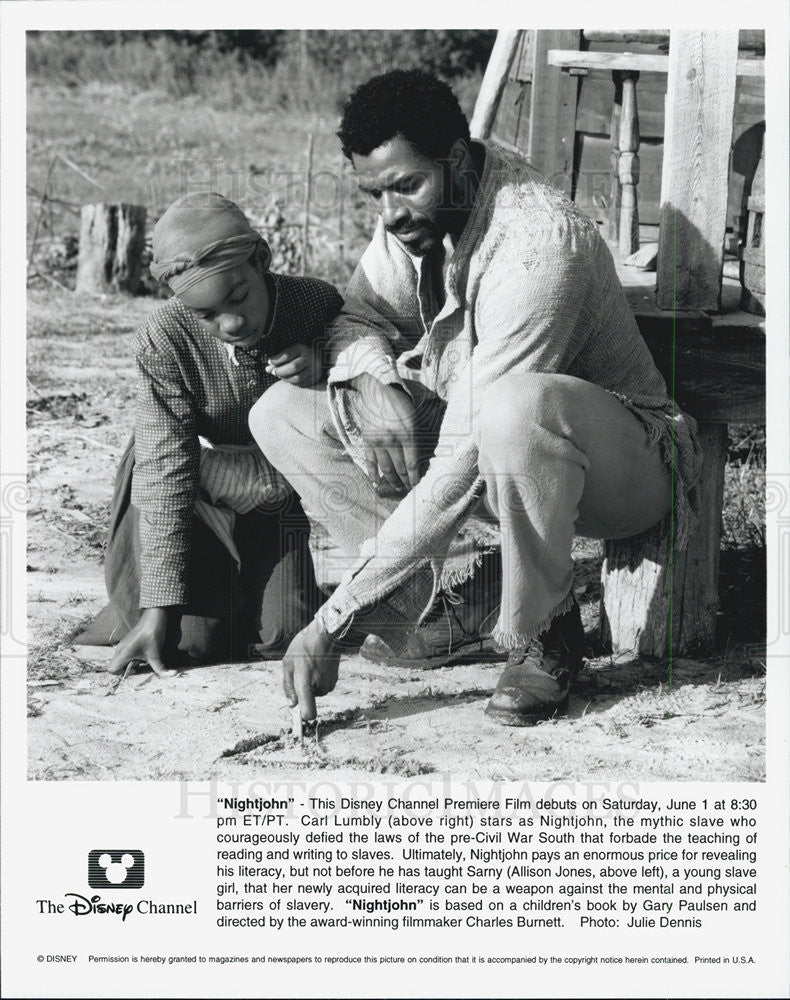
320	303
167	462
304	308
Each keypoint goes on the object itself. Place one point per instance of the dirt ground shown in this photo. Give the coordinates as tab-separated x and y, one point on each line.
628	719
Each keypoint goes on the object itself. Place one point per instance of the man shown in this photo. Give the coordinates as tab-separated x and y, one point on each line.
488	304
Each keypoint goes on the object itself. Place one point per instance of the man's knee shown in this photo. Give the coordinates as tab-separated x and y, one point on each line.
282	413
265	416
511	407
516	405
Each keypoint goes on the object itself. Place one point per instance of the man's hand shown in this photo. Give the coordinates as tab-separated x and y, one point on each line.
299	364
310	668
388	426
145	641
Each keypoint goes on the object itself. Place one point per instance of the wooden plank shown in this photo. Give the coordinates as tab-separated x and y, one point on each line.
740	324
750	102
752	39
750	67
719	376
696	591
493	83
552	118
700	105
719	360
643	283
574	59
639	62
505	127
524	62
633	35
660	601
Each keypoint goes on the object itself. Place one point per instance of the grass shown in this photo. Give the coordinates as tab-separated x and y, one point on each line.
296	72
743	567
130	140
148	150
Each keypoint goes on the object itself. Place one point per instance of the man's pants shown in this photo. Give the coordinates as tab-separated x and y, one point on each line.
559	456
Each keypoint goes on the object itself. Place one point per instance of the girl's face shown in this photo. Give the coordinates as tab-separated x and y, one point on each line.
232	306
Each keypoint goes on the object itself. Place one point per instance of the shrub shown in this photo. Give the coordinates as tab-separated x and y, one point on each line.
297	70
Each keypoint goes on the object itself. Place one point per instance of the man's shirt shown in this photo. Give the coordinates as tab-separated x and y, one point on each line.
531	287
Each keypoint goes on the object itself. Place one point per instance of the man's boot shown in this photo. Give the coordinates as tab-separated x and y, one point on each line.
457	627
537	679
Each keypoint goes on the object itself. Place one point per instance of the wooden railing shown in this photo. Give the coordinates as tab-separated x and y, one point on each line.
701	68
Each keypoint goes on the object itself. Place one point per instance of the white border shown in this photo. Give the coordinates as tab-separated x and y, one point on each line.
45	813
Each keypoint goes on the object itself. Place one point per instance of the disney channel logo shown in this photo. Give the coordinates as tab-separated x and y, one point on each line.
83	906
114	869
118	869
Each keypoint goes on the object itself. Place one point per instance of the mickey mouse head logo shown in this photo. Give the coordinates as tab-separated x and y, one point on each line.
119	869
116	871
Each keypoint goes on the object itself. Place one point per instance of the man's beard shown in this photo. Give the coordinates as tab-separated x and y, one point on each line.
451	218
430	237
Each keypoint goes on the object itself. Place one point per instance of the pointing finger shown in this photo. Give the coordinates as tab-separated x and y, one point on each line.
304	691
288	682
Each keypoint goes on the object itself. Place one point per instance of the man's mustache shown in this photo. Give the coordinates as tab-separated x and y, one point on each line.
405	228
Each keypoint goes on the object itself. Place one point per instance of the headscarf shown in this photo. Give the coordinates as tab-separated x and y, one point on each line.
201	235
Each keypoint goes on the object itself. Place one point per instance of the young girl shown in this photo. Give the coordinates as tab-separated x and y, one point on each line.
207	550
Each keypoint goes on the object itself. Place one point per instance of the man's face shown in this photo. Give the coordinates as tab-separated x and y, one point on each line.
410	191
232	306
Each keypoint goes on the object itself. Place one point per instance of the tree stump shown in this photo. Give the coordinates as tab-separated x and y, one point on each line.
659	602
112	238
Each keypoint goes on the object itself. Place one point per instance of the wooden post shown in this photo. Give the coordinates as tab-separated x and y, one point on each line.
661	602
493	84
613	223
112	238
552	114
699	120
308	193
628	167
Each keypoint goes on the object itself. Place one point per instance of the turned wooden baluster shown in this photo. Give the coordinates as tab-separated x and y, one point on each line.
628	166
613	223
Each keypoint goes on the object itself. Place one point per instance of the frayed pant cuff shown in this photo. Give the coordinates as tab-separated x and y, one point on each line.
507	639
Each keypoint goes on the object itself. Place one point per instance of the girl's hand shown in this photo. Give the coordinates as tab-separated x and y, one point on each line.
299	364
146	641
